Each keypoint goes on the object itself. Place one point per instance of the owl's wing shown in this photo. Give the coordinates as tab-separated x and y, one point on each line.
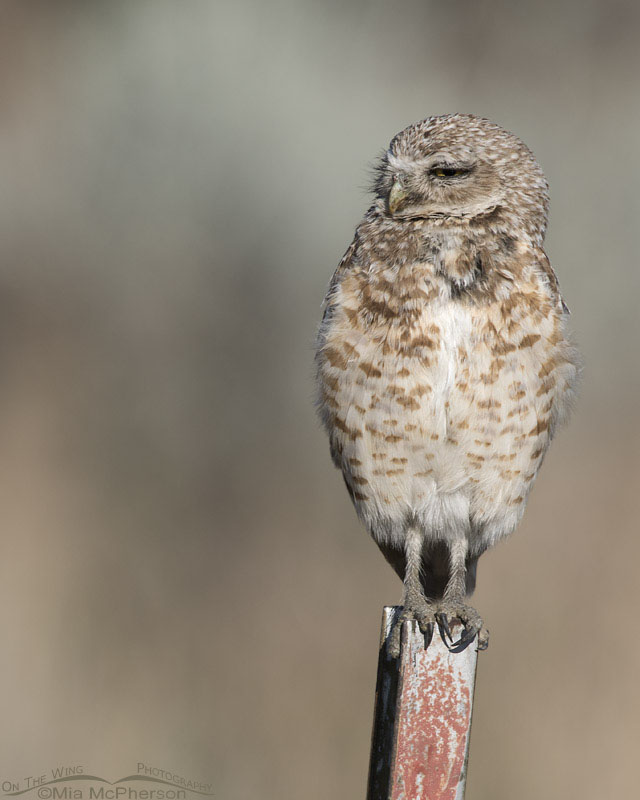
346	262
552	279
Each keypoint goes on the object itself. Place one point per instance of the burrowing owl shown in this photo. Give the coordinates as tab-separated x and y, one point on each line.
443	366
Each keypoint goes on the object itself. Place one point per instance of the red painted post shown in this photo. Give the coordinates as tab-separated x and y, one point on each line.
422	721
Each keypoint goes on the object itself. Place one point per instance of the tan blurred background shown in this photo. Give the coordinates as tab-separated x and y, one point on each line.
182	578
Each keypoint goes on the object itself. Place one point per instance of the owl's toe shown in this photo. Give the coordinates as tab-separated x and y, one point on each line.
448	616
422	614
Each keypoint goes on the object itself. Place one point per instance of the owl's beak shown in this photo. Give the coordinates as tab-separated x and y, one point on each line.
397	197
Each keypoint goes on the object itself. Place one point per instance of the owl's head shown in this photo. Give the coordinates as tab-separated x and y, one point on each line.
461	166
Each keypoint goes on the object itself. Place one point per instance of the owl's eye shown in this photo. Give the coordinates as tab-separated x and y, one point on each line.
449	172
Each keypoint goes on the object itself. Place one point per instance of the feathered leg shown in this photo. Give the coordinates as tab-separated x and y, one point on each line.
453	603
415	604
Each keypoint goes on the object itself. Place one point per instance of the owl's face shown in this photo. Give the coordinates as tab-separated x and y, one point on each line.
461	166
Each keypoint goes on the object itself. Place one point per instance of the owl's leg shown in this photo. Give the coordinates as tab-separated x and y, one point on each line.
453	605
415	604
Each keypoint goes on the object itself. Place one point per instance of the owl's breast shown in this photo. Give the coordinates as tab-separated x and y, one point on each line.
388	392
426	394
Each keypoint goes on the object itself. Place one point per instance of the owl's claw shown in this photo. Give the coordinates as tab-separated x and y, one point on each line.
428	634
423	615
467	636
445	617
443	626
472	627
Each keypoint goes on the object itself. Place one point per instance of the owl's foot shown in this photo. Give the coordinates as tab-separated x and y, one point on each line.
423	614
472	626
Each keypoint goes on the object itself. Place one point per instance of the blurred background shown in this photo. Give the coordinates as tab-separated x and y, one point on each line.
183	580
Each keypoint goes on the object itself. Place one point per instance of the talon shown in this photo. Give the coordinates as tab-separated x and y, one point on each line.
428	633
422	614
468	635
472	626
443	625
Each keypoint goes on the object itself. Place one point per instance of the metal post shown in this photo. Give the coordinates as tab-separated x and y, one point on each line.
422	719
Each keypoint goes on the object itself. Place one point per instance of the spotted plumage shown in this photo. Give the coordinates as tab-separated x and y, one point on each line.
443	366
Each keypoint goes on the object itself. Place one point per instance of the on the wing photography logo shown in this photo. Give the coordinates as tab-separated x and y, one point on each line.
74	783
